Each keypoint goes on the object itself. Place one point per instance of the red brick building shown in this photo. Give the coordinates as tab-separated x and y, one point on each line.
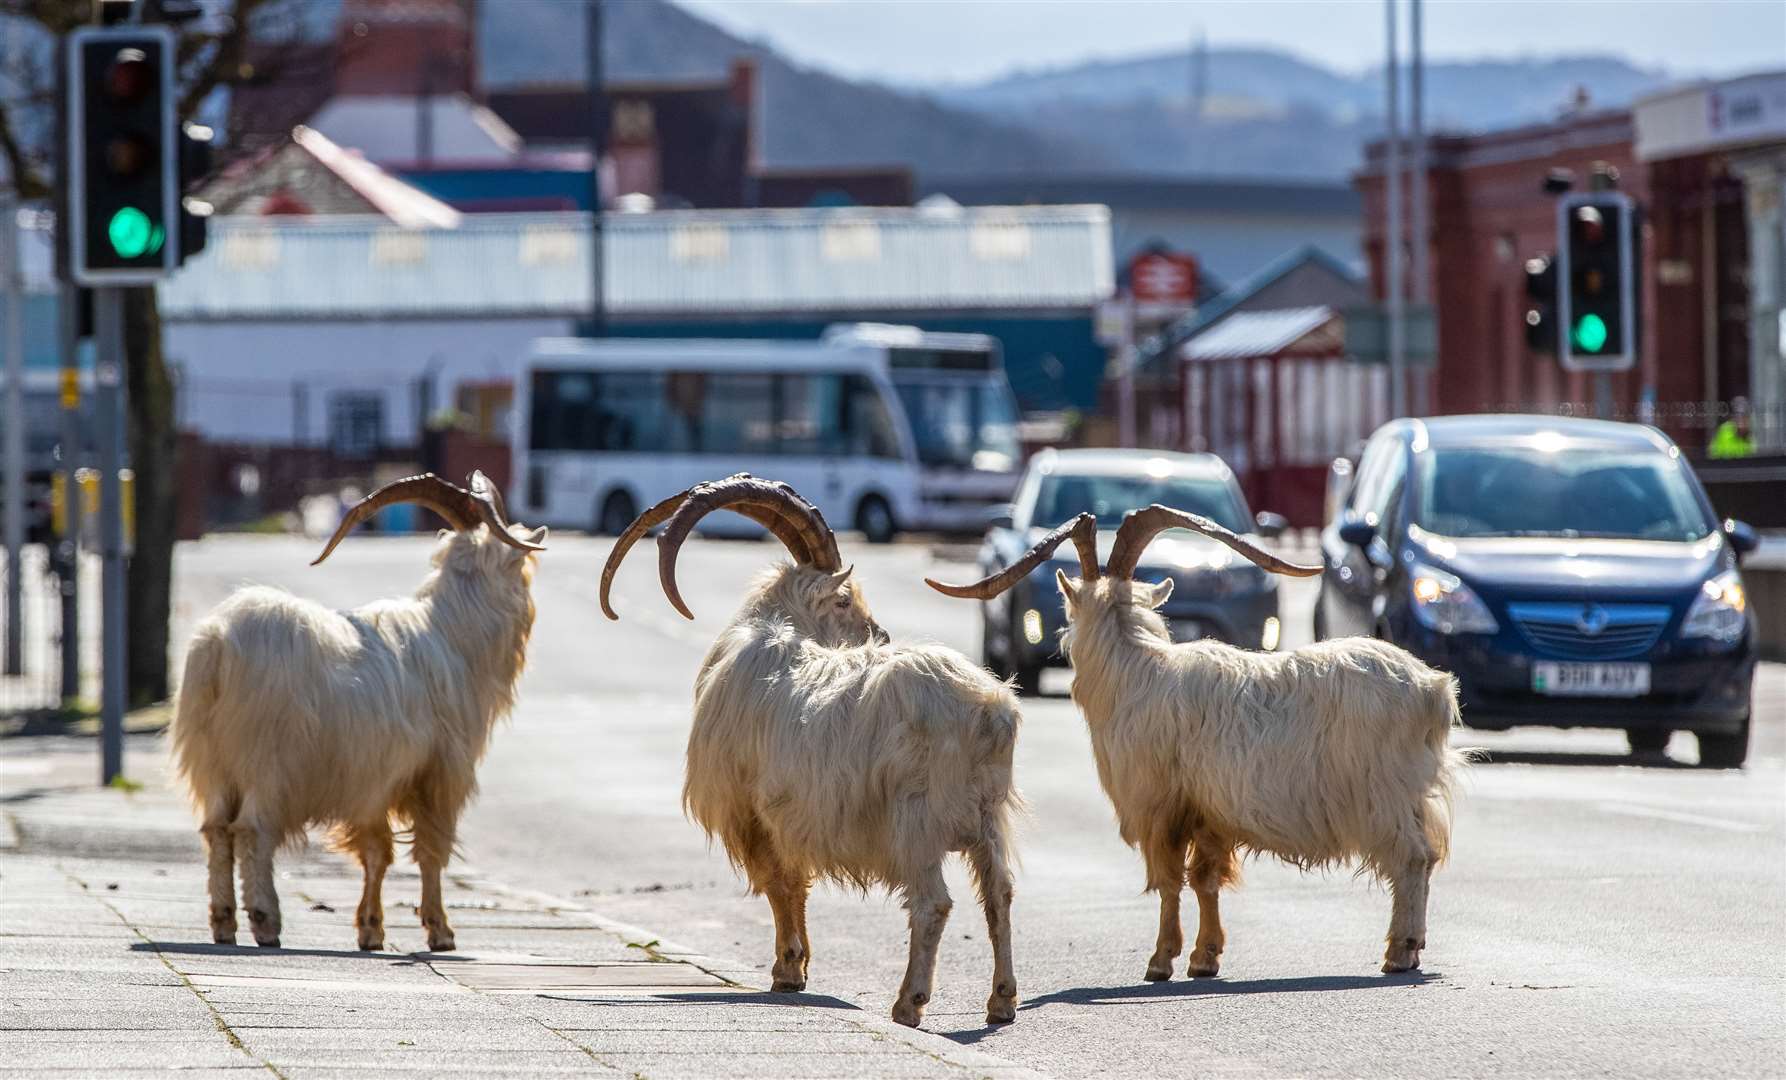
1490	213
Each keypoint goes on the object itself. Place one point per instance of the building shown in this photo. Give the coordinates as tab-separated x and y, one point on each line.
1704	164
308	174
1233	227
350	333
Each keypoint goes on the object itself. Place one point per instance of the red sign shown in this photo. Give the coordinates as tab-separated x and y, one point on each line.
1163	277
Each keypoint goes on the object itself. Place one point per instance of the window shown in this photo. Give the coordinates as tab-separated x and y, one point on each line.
810	414
356	423
585	410
1379	471
869	428
736	414
1581	491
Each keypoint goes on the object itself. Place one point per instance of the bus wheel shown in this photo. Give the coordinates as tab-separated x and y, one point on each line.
617	513
874	519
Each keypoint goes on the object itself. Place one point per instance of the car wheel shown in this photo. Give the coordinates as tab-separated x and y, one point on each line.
1648	741
1725	751
987	657
617	513
874	519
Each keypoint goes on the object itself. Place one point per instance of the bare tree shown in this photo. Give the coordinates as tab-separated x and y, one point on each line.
211	56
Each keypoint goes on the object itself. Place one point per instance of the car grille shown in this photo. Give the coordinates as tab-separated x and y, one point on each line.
1590	631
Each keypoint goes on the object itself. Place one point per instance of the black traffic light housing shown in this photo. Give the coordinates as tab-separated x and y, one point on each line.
1541	316
1596	282
124	155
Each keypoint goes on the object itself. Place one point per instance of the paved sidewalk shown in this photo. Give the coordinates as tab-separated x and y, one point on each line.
106	966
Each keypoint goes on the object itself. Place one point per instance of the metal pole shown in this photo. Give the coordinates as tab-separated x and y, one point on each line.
108	326
1420	226
1125	378
14	449
69	547
1603	395
598	141
1392	237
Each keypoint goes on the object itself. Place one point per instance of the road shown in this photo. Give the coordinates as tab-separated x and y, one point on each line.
1599	916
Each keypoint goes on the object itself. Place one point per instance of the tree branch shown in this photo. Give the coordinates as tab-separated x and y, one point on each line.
226	60
26	181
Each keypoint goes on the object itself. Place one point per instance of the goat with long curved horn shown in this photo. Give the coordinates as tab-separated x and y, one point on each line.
461	509
775	506
1083	530
1139	527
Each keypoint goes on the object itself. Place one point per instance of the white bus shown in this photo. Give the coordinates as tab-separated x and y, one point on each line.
605	428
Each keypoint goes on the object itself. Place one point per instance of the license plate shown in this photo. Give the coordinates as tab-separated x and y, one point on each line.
1590	680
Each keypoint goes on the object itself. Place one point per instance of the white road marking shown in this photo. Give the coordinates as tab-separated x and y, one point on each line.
1639	810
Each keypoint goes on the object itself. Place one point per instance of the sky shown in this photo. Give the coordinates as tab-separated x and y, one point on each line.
944	41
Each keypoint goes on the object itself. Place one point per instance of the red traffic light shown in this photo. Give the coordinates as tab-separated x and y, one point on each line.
1590	224
128	78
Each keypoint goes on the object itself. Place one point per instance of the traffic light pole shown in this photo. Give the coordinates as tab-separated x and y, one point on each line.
14	429
69	543
108	327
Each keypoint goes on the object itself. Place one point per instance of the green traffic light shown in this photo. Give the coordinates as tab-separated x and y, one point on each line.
1590	333
133	235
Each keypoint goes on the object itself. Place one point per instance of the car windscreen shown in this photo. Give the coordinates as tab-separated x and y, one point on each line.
1580	492
1061	497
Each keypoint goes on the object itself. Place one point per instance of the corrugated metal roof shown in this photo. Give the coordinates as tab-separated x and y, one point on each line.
1247	334
684	263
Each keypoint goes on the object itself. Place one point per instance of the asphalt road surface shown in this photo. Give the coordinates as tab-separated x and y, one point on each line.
1600	915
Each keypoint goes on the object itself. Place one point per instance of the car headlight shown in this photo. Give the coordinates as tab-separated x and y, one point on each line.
1720	611
1446	604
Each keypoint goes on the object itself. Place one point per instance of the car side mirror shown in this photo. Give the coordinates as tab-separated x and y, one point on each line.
1743	538
1270	525
1000	517
1358	532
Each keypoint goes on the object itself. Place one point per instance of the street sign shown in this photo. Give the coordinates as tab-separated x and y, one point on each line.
1596	282
1367	334
1163	277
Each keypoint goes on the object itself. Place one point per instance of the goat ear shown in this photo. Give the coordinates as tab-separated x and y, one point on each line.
1067	588
842	576
1160	593
537	536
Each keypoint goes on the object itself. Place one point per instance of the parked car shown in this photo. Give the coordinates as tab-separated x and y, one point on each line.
1570	573
1215	592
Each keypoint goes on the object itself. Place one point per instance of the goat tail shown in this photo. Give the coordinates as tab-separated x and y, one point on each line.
1436	814
200	690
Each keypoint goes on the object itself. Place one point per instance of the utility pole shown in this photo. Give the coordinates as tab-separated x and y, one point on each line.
108	327
69	545
1392	236
596	75
14	448
1420	225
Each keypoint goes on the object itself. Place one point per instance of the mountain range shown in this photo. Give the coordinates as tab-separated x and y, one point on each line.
1261	111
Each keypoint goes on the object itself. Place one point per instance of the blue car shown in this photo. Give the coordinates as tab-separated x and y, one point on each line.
1570	573
1215	593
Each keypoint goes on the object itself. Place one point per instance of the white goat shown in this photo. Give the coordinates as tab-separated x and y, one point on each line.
1319	756
819	750
291	714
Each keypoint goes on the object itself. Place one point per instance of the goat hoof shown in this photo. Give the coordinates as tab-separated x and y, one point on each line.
223	937
267	943
1402	956
1157	972
788	986
371	946
907	1013
441	943
1001	1010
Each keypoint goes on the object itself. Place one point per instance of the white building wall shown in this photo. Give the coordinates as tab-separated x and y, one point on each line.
259	382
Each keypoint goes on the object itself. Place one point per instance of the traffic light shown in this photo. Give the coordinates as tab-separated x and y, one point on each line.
1541	317
124	150
1596	282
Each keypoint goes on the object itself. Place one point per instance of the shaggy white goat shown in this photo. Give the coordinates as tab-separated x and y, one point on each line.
291	714
1318	756
819	750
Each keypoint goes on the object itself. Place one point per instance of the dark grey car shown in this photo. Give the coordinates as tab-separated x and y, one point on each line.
1215	592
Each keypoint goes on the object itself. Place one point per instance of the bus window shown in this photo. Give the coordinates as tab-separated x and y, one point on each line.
736	415
869	425
809	414
583	410
942	416
999	449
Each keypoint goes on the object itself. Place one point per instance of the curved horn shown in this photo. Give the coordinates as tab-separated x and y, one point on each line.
460	508
491	512
1139	527
1084	532
743	493
792	525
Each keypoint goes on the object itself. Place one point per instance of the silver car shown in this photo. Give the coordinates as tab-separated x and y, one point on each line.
1215	592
